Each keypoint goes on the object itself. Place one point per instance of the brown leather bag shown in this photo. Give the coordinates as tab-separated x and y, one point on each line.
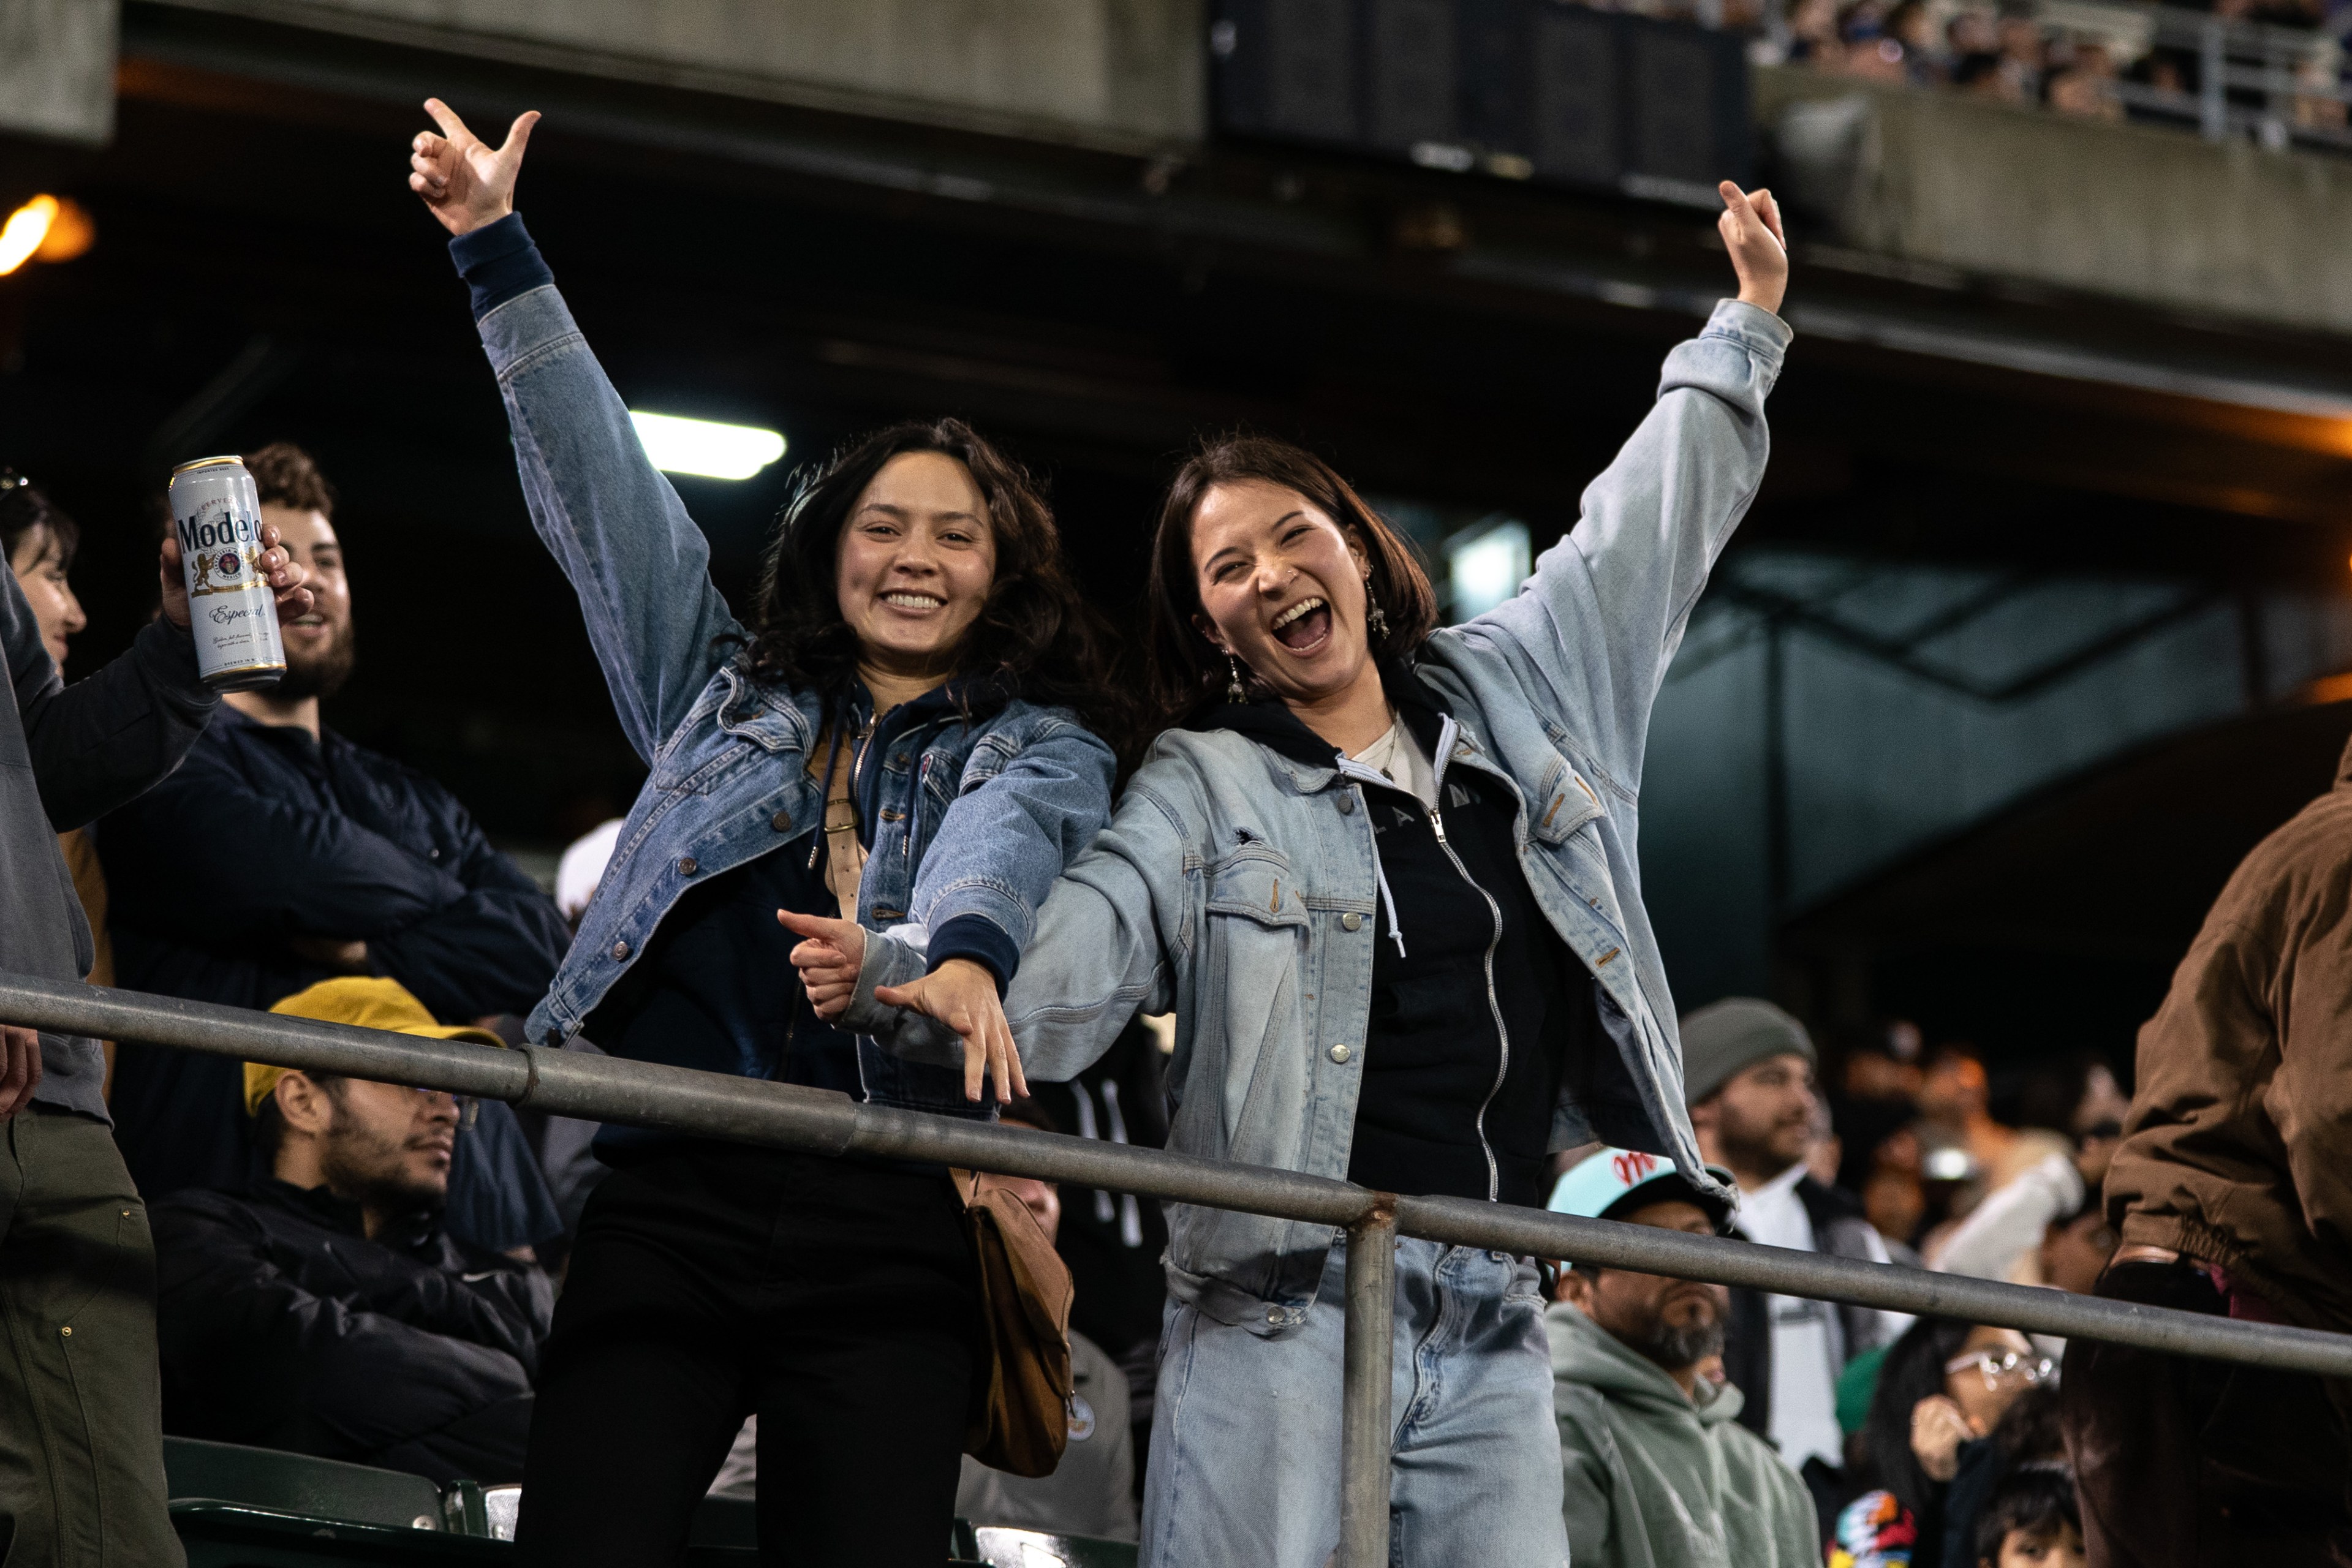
1021	1423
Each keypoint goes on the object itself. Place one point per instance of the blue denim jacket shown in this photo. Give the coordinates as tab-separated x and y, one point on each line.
972	821
1240	888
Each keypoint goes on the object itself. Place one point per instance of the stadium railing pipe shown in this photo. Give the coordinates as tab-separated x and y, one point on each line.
781	1116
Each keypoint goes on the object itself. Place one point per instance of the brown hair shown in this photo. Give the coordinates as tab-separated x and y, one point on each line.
1038	636
1185	669
286	477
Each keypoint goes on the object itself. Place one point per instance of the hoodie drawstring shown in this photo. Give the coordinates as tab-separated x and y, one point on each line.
1381	873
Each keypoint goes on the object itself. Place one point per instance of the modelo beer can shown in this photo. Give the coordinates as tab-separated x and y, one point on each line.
232	610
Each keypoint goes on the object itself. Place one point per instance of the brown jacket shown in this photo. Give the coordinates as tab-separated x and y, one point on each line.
2238	1152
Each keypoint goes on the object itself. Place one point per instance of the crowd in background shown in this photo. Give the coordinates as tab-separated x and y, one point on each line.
330	1286
397	1307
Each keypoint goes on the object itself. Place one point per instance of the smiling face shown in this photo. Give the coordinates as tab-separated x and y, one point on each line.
40	568
320	646
915	563
1282	588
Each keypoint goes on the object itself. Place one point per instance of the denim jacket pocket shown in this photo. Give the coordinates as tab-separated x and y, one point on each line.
1563	802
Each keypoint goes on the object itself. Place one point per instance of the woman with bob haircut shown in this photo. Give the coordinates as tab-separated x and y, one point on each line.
1384	875
900	732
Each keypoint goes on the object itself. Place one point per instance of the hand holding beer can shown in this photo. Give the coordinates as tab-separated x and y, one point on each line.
232	610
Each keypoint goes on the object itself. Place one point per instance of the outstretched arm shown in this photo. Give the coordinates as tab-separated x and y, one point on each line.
639	564
1589	636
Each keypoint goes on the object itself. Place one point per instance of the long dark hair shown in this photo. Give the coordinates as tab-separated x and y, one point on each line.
1036	636
1184	669
1913	1371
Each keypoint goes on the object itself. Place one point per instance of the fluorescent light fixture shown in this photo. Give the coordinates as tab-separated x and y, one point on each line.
1486	565
706	447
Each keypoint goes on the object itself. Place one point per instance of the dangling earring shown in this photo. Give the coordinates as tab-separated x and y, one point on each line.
1374	622
1235	691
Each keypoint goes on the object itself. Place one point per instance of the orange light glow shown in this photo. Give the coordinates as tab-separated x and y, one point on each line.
22	235
70	234
44	228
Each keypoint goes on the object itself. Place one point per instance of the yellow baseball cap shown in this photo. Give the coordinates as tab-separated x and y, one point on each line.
366	1002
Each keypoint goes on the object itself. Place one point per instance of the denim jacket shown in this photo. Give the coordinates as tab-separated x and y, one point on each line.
968	819
1241	889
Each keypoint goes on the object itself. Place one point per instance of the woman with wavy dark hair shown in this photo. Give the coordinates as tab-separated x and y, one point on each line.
1384	875
898	736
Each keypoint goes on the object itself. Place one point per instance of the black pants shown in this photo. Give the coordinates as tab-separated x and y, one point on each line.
835	1299
2196	1463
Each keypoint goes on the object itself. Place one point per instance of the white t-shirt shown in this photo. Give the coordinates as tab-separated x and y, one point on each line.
1805	1337
1400	756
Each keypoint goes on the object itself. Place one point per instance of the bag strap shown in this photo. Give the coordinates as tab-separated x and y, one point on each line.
844	857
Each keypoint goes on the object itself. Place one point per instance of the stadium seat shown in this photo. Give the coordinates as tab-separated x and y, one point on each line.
298	1484
1000	1547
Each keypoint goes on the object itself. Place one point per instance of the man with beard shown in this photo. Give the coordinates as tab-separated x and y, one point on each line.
1748	1077
279	855
319	1308
1659	1473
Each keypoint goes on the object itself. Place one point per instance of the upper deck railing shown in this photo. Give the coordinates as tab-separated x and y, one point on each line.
779	1115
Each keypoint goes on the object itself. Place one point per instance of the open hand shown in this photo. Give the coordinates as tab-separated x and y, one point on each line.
278	570
20	1068
1750	227
828	959
961	995
464	181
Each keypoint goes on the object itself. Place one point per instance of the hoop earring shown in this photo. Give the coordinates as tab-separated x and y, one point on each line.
1236	692
1375	621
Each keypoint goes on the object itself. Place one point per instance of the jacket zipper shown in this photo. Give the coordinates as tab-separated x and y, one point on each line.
1493	1005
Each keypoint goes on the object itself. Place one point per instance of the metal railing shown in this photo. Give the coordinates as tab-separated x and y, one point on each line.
739	1110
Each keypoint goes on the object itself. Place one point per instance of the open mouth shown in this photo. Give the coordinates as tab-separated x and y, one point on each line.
914	603
1305	626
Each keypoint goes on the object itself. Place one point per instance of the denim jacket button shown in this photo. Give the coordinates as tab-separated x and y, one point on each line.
620	952
782	822
1351	921
1273	1315
1348	804
1339	1053
686	865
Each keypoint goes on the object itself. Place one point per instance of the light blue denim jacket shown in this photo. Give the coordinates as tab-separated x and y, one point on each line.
975	820
1241	889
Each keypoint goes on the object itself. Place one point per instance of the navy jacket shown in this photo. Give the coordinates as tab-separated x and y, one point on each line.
263	835
282	1324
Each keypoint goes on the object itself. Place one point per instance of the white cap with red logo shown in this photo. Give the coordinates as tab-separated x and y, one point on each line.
1612	1183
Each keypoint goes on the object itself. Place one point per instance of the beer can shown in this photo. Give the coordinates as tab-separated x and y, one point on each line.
232	610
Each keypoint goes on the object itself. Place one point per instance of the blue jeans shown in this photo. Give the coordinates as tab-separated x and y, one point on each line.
1246	1434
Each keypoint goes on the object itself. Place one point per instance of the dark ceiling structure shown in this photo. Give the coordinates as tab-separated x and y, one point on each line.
262	273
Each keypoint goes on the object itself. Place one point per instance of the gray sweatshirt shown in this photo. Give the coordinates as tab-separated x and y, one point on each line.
69	756
1654	1480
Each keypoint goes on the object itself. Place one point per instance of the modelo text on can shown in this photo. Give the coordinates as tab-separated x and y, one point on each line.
232	610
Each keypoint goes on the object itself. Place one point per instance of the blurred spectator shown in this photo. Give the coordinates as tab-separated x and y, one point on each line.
2231	1194
2031	1520
377	871
40	541
1813	37
1112	1240
1657	1469
1747	1070
2083	86
1944	1385
2005	1237
320	1307
79	1438
1092	1491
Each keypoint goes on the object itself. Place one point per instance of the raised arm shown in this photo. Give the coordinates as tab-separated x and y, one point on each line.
1589	636
109	740
639	564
